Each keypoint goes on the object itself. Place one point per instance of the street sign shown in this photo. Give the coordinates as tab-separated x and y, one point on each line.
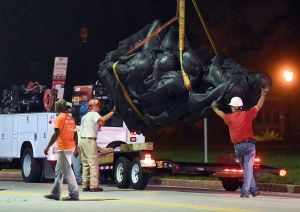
59	75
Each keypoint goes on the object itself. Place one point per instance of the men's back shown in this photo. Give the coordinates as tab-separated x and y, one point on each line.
67	127
240	124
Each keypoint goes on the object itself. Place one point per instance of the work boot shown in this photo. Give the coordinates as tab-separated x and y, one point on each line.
244	196
68	198
256	193
86	189
51	196
96	189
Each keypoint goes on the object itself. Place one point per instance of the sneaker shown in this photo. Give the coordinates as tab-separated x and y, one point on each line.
68	198
96	189
51	196
86	189
256	193
244	196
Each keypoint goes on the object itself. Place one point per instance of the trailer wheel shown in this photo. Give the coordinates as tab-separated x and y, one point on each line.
121	172
138	177
115	144
231	184
31	167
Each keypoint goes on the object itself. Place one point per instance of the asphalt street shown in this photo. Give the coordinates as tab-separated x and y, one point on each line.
21	196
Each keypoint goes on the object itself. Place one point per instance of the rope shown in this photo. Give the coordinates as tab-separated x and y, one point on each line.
137	46
204	26
186	80
125	93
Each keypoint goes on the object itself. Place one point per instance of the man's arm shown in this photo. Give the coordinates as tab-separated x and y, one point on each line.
108	116
52	140
76	151
263	93
216	109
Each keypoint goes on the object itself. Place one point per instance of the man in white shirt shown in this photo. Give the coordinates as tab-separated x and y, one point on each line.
90	123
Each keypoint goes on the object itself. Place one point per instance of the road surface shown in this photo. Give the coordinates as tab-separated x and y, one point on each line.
16	195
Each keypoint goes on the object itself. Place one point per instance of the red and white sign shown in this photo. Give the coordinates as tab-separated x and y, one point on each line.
59	75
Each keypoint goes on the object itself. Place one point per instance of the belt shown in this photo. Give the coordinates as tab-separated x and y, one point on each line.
250	140
89	138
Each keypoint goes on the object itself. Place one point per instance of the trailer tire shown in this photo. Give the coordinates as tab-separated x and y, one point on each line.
115	144
138	177
121	172
231	184
31	167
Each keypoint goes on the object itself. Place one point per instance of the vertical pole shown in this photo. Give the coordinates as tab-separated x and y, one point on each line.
288	115
205	140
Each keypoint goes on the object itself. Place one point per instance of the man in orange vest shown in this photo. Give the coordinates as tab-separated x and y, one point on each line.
239	123
66	140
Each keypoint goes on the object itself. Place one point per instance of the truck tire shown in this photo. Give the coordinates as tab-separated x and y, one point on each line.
115	144
231	184
31	167
121	172
138	177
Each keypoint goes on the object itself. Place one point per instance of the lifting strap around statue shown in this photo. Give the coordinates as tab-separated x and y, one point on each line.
125	93
204	26
180	16
186	80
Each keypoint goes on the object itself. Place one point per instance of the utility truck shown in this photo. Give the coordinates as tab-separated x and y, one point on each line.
24	137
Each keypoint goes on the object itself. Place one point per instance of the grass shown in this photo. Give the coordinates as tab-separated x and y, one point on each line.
286	157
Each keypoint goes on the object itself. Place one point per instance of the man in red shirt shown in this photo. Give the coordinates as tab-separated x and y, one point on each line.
239	123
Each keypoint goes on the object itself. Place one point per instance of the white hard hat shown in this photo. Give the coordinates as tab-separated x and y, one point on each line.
236	102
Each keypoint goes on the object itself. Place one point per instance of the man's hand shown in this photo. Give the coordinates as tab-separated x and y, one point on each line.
264	91
214	104
46	150
76	152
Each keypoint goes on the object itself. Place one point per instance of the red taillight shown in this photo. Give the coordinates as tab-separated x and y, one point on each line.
133	132
233	170
132	139
148	156
257	160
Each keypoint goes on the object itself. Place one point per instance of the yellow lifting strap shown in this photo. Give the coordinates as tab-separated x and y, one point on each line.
125	93
186	80
204	26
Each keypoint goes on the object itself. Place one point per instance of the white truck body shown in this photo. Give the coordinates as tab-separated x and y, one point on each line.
27	128
23	137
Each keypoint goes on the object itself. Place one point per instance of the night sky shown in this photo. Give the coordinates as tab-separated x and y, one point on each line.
262	35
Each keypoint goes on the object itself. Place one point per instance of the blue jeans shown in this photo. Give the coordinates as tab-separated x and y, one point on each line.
76	162
63	169
245	151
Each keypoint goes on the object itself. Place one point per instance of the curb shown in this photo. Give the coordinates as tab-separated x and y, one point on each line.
185	183
214	184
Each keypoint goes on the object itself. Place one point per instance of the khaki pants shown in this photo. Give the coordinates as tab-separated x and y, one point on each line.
90	163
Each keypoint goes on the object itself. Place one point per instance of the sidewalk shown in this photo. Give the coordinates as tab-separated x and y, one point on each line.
184	183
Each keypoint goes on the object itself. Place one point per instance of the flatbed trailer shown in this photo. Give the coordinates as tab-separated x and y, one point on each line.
133	164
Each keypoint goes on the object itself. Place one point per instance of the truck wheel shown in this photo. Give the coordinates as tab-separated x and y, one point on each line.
121	172
138	177
231	184
31	167
115	144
